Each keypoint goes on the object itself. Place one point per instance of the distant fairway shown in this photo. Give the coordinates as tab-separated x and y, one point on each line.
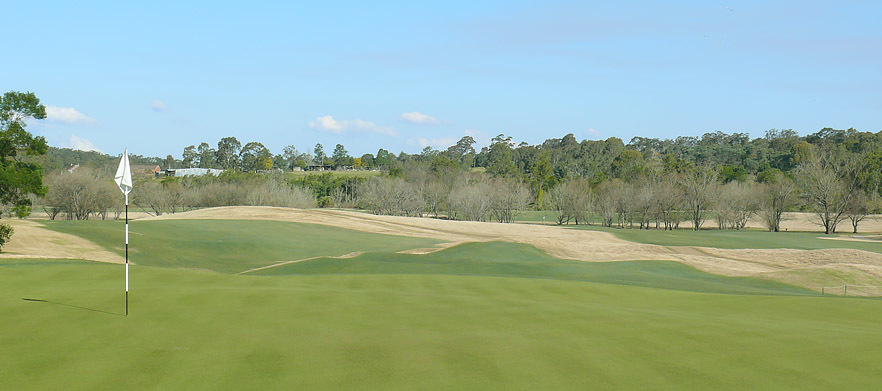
738	239
517	260
204	330
231	246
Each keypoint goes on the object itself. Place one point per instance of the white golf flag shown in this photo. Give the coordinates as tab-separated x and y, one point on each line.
123	177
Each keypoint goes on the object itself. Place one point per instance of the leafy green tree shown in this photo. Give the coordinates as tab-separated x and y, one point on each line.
501	156
207	156
228	153
319	154
341	156
384	158
20	178
629	165
255	156
190	156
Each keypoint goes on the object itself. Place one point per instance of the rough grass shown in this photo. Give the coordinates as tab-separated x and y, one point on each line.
196	330
230	246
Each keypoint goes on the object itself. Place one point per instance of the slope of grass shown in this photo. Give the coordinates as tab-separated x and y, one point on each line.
230	245
197	330
520	260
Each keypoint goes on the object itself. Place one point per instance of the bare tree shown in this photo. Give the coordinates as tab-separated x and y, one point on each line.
827	188
435	194
734	204
472	200
859	207
669	201
391	196
507	198
697	186
776	196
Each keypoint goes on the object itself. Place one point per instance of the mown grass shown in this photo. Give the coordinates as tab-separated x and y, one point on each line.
738	239
195	330
230	246
520	260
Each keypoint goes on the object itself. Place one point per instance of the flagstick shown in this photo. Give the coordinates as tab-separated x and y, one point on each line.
127	255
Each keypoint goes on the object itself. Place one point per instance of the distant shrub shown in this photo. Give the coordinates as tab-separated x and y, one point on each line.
5	233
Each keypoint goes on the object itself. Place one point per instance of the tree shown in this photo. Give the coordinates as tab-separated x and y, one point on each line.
501	156
341	156
471	201
827	188
507	198
19	179
255	156
463	150
628	165
776	195
319	153
5	234
190	156
228	153
207	156
859	207
697	186
290	156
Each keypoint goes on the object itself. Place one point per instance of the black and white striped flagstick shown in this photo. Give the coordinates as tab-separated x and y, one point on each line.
127	255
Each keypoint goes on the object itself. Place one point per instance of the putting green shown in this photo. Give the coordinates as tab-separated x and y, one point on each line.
193	329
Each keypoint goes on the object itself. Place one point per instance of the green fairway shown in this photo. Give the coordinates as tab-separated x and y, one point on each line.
737	239
202	330
519	260
230	245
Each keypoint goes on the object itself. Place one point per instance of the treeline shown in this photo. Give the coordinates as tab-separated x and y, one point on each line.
647	183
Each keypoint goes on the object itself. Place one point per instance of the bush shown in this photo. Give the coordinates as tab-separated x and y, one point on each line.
5	233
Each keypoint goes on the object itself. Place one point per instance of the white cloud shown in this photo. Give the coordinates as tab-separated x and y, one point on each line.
68	115
416	117
328	123
81	144
593	132
158	105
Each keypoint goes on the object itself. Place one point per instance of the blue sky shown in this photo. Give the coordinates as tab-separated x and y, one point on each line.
158	76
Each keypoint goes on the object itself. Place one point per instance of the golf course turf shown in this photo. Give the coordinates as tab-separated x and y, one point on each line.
476	316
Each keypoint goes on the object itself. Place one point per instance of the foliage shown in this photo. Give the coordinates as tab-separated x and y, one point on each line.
20	178
6	232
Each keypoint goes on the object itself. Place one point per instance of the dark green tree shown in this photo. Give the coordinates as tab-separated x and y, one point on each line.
20	178
190	157
255	156
207	156
341	156
319	154
228	153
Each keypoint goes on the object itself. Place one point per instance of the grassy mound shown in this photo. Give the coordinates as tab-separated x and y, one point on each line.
230	246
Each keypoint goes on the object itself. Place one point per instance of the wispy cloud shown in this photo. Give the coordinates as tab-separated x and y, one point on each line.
329	124
158	105
592	132
68	115
81	144
416	117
